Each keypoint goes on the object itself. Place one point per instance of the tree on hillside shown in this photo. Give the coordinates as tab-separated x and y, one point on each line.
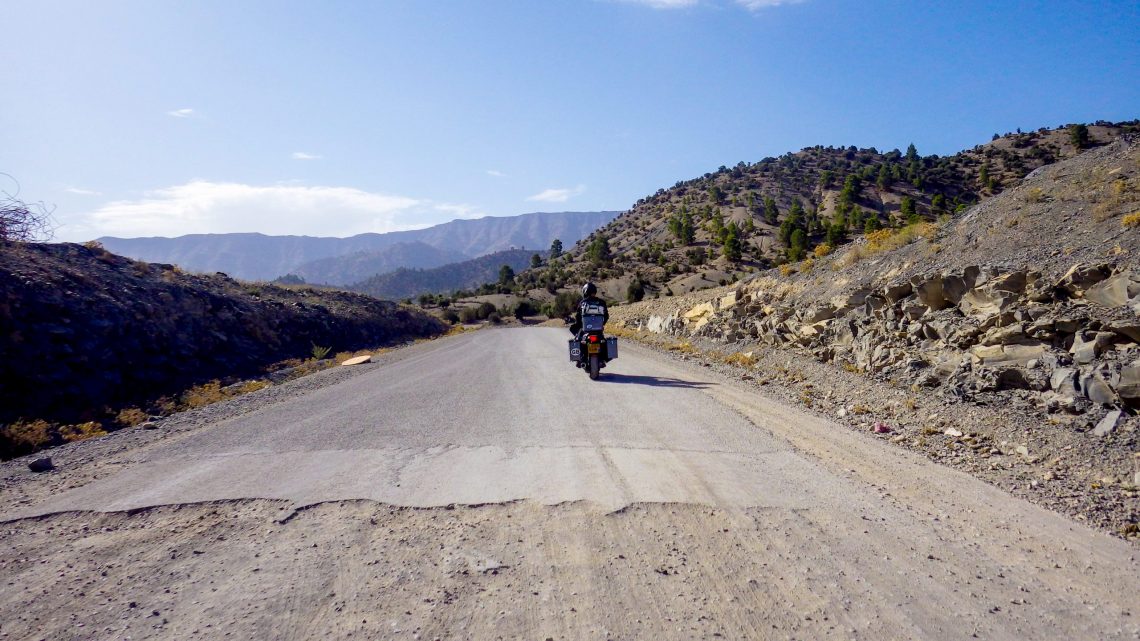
535	261
884	178
771	214
681	226
908	211
797	245
716	194
911	153
636	290
851	188
506	275
599	251
731	246
1079	136
555	249
938	203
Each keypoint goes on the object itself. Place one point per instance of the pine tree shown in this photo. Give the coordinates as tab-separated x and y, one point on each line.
731	246
506	275
908	211
1079	136
771	214
797	245
599	251
884	179
555	249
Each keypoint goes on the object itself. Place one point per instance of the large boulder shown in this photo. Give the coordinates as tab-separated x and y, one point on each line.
1097	390
929	290
985	301
664	324
1087	346
1129	386
1117	291
1080	277
1005	355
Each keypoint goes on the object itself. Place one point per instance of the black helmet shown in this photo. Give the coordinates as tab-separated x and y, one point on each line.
589	289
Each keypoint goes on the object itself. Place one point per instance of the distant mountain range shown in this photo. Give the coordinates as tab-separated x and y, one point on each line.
254	256
409	283
343	270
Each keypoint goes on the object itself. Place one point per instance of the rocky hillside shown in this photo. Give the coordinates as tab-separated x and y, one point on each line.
85	333
261	257
1029	303
409	283
719	227
343	270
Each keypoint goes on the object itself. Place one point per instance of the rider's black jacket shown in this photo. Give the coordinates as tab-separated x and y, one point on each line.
592	300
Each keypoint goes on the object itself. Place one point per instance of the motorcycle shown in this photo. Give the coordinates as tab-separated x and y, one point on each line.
590	349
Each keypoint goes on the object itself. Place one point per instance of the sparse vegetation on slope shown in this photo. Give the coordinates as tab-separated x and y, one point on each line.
717	228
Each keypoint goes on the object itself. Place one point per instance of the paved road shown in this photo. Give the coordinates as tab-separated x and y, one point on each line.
491	417
660	501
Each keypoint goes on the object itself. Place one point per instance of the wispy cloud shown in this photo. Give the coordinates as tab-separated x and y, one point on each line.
300	155
181	113
218	207
460	210
496	173
82	192
557	195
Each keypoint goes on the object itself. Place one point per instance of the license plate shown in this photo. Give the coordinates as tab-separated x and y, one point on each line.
593	348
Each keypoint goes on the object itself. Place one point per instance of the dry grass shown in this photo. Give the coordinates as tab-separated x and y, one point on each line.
131	417
1131	220
683	347
1035	195
885	240
740	359
822	249
81	431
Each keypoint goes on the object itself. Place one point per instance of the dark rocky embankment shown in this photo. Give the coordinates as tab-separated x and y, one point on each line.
85	333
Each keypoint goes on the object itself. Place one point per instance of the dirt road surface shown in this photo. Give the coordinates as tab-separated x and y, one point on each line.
480	487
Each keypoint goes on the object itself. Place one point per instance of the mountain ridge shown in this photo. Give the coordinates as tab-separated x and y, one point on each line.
257	256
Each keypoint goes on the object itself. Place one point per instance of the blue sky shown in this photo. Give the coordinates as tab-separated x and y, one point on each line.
335	118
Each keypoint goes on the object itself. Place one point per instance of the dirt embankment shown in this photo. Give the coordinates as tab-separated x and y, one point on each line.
85	333
1006	342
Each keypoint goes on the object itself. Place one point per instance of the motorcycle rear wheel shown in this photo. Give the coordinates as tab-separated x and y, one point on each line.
595	366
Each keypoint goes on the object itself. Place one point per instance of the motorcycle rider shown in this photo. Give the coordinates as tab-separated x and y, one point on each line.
589	300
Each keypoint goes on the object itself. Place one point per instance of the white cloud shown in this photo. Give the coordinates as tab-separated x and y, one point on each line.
82	192
181	113
557	195
200	207
300	155
459	210
496	173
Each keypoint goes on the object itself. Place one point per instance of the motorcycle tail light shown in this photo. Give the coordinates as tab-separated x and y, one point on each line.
593	339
